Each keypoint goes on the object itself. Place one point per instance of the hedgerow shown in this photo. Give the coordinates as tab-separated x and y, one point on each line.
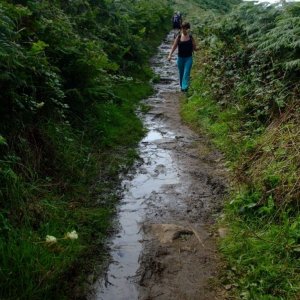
71	75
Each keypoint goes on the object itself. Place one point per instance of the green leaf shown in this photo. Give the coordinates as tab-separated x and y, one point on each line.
2	140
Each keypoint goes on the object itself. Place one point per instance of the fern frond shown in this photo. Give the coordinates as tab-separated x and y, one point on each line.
293	65
286	35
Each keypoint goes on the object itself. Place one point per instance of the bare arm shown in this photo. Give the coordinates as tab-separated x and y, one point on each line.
195	48
175	44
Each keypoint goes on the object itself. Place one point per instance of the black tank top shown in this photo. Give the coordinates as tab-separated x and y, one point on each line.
185	48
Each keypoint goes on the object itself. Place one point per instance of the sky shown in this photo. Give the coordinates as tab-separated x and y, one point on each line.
272	1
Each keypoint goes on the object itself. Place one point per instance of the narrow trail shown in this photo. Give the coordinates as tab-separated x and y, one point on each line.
164	248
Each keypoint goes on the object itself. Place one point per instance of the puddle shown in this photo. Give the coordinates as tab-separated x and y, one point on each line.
157	171
152	136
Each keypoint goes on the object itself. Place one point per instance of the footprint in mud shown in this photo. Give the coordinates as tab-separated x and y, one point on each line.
160	169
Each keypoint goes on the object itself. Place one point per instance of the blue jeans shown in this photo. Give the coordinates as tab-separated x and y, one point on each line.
184	66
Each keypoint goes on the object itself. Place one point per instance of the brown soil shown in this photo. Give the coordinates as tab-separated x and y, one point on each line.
180	258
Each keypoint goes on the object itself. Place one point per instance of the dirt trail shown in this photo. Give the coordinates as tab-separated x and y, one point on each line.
180	261
165	248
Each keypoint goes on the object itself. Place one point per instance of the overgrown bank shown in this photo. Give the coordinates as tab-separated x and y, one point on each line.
72	74
245	93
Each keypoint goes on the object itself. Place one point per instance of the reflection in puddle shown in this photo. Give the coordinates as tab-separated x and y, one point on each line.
152	136
157	171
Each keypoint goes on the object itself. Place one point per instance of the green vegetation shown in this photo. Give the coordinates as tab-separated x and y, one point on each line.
71	76
245	93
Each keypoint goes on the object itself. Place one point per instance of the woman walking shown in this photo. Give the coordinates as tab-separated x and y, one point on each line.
186	46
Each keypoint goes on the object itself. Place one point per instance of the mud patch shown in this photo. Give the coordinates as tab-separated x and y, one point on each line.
181	268
167	233
179	259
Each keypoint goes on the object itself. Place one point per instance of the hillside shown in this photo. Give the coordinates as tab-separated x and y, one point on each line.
246	96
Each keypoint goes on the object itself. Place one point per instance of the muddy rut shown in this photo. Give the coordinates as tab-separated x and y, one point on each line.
165	248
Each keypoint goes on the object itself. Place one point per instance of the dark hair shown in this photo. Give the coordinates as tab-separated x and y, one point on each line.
186	25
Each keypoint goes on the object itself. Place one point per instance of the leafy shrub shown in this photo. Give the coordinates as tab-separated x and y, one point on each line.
71	74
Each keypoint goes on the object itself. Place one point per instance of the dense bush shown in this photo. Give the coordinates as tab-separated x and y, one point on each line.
60	60
245	92
251	68
219	6
254	59
71	74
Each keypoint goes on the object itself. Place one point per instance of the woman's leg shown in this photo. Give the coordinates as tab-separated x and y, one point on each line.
185	81
180	65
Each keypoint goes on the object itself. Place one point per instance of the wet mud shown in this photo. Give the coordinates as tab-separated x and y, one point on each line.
165	247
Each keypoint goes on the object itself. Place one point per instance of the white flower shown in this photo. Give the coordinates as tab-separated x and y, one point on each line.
40	105
72	235
51	239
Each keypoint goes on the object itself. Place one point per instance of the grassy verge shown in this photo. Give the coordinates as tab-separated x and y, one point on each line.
261	214
71	185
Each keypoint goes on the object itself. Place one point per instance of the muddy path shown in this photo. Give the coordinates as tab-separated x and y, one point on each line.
165	247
